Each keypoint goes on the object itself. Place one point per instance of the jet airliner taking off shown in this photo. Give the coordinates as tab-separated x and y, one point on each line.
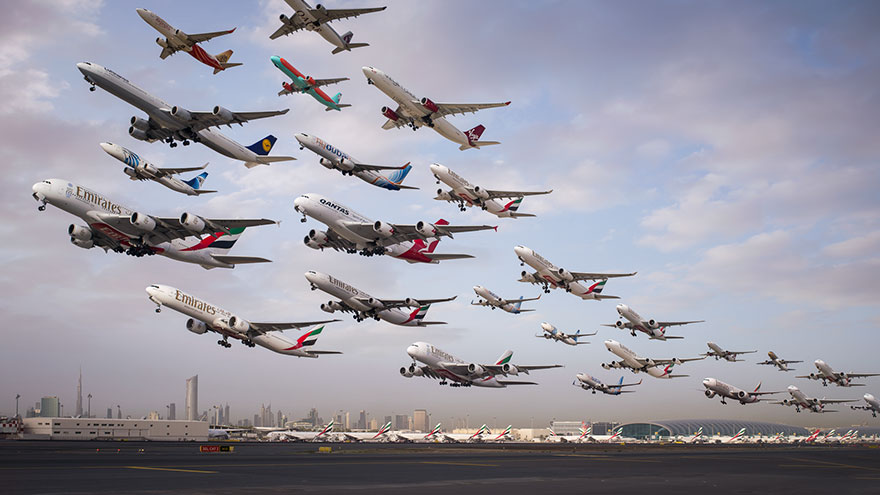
801	401
438	364
363	305
115	227
658	368
205	316
549	275
717	387
465	194
550	332
334	158
415	113
317	20
308	85
781	364
588	382
841	379
173	123
493	300
654	329
719	353
176	40
871	404
138	169
352	232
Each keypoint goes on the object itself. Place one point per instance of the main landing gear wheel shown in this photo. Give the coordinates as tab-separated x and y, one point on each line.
92	87
41	208
158	310
186	142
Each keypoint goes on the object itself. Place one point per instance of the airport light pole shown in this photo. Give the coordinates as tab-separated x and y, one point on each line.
90	406
17	396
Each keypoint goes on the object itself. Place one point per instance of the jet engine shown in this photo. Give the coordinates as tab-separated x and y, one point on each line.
161	42
481	193
283	18
443	195
787	402
137	134
375	303
196	326
321	8
608	366
139	123
527	277
741	394
619	324
650	363
430	105
412	302
223	113
710	394
181	113
79	233
405	372
238	324
814	376
319	236
426	229
415	370
676	361
510	369
83	244
652	323
331	306
565	275
346	164
475	369
391	114
383	229
143	222
311	243
310	80
327	163
192	223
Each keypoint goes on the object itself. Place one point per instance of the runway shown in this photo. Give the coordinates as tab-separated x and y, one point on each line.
154	467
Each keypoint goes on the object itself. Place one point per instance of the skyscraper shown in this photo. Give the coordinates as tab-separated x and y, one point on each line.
362	420
420	421
49	407
192	398
226	415
401	422
79	395
172	411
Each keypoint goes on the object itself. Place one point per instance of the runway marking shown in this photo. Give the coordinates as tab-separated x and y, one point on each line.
450	463
170	469
836	464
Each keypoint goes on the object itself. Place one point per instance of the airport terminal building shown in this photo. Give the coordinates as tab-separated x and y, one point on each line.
668	429
114	429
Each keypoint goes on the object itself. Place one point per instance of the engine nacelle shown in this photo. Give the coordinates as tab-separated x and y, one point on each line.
475	369
527	277
223	113
510	369
139	123
619	324
415	370
652	323
374	303
650	363
319	236
426	229
608	366
383	229
405	372
480	192
814	376
143	222
181	113
676	361
311	243
412	302
238	324
192	223
161	42
137	134
710	394
430	105
327	163
283	18
346	164
565	275
321	8
196	326
79	233
83	244
391	114
741	394
787	402
443	195
310	80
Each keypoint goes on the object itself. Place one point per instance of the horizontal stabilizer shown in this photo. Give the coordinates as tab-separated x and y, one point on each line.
600	297
525	310
514	214
237	260
203	191
508	382
441	257
325	352
406	187
340	105
423	323
667	337
676	376
477	144
349	47
266	160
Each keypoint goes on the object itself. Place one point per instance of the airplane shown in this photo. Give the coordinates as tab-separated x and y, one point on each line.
504	435
416	113
302	436
550	332
614	435
139	169
173	123
780	364
872	404
352	232
316	20
334	158
801	401
112	226
827	374
813	436
631	360
205	316
587	382
717	387
176	40
465	194
655	330
738	436
698	437
493	300
363	305
720	353
478	435
548	275
585	435
435	433
438	364
307	84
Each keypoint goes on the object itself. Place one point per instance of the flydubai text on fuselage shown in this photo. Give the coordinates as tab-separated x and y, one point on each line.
139	169
467	194
549	275
334	158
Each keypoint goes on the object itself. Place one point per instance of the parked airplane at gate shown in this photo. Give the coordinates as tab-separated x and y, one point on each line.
465	194
308	85
801	401
588	382
438	364
720	353
658	368
334	158
169	123
317	20
871	404
717	387
363	305
841	379
138	169
550	332
205	316
176	40
493	300
416	113
352	232
654	329
781	364
115	227
548	275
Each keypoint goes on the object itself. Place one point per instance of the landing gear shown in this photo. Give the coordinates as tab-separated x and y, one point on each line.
186	142
303	219
302	148
224	343
369	82
173	144
159	310
248	343
633	333
92	87
312	287
42	207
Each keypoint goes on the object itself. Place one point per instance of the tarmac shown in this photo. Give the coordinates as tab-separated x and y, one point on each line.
159	467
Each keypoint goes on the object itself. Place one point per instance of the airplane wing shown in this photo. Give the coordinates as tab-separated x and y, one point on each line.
599	276
402	121
514	301
396	303
511	194
280	327
364	166
676	361
328	15
167	229
808	377
625	385
204	120
834	401
167	51
677	323
200	37
861	375
178	170
495	369
402	233
783	361
445	109
511	382
627	325
325	82
446	256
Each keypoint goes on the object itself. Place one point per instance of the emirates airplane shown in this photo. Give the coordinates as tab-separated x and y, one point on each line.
654	329
465	194
717	387
205	316
812	404
549	275
842	379
658	368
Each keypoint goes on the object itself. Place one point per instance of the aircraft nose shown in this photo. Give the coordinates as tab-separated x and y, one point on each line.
299	204
709	382
311	276
520	250
621	308
818	362
436	167
547	326
83	67
413	350
791	388
368	71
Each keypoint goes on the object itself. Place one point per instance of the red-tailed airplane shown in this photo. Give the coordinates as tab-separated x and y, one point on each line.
176	40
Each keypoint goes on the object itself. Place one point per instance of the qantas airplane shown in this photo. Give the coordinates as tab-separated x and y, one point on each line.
493	300
588	382
138	169
550	332
717	387
308	85
654	329
352	232
658	368
871	404
112	226
781	364
415	113
363	305
317	19
549	275
465	194
176	40
799	400
205	316
827	374
720	353
438	364
334	158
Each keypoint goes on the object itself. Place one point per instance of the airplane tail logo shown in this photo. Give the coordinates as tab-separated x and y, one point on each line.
385	429
513	205
518	304
337	97
327	428
263	146
419	313
504	433
597	287
505	358
483	430
347	37
223	57
197	181
435	431
309	338
398	175
218	242
473	135
130	157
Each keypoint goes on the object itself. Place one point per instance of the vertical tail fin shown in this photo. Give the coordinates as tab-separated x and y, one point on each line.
505	358
473	135
223	57
197	181
397	176
263	146
513	205
347	37
597	287
337	97
518	304
309	338
218	242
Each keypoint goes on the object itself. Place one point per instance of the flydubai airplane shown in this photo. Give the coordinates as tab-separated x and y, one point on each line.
717	387
352	232
549	275
308	85
176	40
438	364
465	194
801	401
363	305
334	158
112	226
550	332
205	316
138	169
871	404
415	113
654	329
173	123
317	19
588	382
839	378
658	368
719	353
493	300
781	364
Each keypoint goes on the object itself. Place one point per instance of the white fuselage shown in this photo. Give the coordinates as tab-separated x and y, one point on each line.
139	169
588	382
550	332
630	359
352	297
549	273
175	37
334	158
431	356
494	300
725	390
827	374
872	404
720	353
328	33
639	323
799	400
462	191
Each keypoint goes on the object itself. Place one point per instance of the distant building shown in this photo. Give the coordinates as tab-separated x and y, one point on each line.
603	427
362	420
154	415
226	415
568	427
79	395
347	420
387	420
257	422
50	407
279	421
109	413
687	427
192	398
401	422
420	421
172	411
114	429
313	417
374	424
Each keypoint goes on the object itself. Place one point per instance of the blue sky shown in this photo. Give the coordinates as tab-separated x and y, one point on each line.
727	155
